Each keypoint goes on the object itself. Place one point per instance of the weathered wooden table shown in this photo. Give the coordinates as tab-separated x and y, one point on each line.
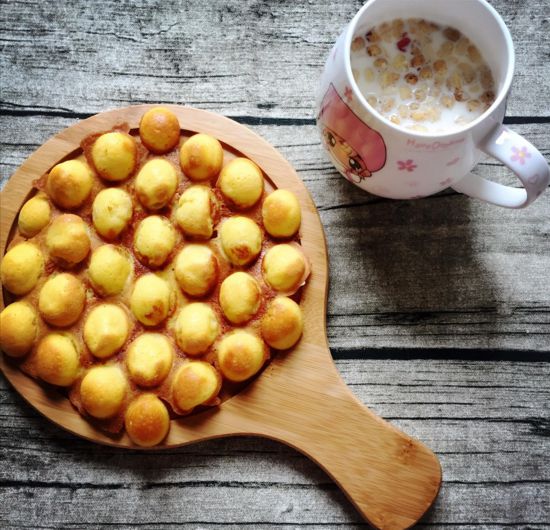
439	309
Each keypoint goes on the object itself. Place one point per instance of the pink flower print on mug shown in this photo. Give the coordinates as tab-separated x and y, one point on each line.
406	165
520	154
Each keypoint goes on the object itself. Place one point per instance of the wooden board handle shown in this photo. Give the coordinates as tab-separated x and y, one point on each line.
391	478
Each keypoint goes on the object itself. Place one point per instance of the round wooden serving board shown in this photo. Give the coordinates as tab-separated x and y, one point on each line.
299	399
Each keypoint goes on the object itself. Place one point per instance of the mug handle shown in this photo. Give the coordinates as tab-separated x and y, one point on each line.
522	158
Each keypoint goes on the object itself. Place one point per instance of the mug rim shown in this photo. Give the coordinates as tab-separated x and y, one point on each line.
503	93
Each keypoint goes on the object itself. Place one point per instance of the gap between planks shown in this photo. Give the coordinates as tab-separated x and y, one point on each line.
245	120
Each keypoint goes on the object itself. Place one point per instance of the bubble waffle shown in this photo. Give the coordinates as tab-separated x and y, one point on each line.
136	276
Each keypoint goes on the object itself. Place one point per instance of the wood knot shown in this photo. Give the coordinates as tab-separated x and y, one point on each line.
407	451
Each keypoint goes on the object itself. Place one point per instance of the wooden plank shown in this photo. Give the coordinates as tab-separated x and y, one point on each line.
265	504
435	273
232	57
478	417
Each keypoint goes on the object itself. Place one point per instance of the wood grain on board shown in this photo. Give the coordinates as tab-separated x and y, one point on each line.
438	310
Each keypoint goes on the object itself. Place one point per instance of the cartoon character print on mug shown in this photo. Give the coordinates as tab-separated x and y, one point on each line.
363	150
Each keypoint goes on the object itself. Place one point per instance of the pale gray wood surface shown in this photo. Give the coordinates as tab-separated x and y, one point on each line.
439	309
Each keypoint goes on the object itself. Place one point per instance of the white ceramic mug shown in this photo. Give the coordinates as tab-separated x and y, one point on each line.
397	163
